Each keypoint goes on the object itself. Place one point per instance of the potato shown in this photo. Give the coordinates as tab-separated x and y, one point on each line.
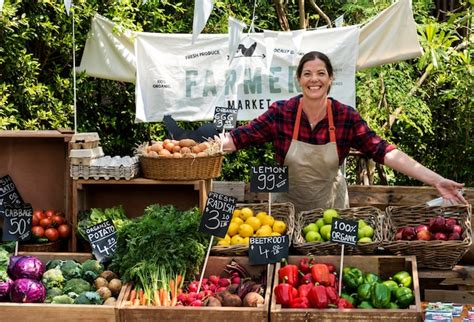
204	146
202	154
164	153
185	150
176	148
100	282
169	146
111	301
152	154
195	149
115	286
108	275
157	147
104	292
187	143
177	155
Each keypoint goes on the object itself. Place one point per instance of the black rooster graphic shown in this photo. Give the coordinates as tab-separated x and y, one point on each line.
247	52
204	132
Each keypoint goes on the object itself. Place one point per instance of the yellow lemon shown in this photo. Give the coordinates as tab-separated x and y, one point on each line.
261	215
237	220
227	237
246	213
223	242
246	241
264	231
275	234
254	222
236	240
268	220
279	226
233	229
245	230
236	213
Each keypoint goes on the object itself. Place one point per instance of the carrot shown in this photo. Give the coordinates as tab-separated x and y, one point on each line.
141	295
133	294
162	297
173	293
136	302
156	299
143	299
179	280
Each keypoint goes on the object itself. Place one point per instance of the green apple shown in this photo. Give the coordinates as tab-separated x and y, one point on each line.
328	215
367	231
312	236
325	232
310	227
365	240
362	223
320	223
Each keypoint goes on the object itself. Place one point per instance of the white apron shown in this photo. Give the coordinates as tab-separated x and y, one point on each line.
314	176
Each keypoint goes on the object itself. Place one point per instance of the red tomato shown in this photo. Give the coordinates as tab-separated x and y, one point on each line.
37	231
58	220
39	214
46	223
35	221
50	213
52	234
64	231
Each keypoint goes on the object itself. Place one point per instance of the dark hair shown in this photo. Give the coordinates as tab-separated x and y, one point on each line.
313	55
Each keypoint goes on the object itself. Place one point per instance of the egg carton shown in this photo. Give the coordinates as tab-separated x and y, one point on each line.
85	156
88	140
107	168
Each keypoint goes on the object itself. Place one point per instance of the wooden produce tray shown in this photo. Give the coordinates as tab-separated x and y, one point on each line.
45	312
384	266
215	266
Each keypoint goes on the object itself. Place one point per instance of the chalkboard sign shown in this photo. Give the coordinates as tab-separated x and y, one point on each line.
8	193
344	231
217	214
17	222
103	240
269	179
225	118
268	250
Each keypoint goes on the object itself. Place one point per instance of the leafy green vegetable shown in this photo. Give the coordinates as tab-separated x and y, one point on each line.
4	256
77	285
91	269
51	293
88	298
53	278
71	269
97	215
62	299
54	263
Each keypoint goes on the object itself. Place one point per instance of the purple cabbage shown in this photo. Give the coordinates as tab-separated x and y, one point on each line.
28	267
25	290
11	263
5	286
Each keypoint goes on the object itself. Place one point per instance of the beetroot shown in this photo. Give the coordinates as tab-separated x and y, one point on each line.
408	233
438	225
454	236
440	236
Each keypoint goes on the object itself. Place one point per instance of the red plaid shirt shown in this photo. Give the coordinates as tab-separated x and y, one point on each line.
276	125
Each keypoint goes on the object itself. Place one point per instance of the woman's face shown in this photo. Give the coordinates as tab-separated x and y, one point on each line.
315	80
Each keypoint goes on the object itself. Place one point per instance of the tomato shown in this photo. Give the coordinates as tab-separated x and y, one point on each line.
64	231
46	222
37	231
57	220
35	221
50	213
52	234
39	214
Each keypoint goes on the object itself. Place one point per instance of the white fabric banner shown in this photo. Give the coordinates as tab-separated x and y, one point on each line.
67	4
202	11
189	81
1	5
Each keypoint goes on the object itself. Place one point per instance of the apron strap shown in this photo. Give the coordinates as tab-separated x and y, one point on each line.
332	129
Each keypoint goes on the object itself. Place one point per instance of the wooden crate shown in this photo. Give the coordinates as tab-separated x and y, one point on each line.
384	266
45	312
215	266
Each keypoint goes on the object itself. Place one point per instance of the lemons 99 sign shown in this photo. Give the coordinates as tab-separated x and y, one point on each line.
269	179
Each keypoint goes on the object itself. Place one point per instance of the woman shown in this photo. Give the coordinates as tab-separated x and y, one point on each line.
312	135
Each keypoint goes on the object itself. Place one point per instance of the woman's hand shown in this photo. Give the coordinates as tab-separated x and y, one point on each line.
449	190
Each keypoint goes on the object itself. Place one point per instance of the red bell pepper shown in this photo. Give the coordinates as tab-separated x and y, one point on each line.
320	274
305	264
288	274
332	280
294	292
304	289
318	297
332	295
300	303
284	294
344	304
306	279
331	267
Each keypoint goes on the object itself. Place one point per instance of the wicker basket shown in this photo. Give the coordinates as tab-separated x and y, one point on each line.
55	246
437	254
182	168
371	215
280	211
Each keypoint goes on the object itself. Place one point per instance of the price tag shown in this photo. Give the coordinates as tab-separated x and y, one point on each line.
103	240
225	118
17	222
8	193
217	214
268	250
269	179
344	231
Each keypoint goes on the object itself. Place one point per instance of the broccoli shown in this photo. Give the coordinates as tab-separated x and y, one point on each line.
91	269
88	298
51	293
62	299
55	263
53	278
76	285
71	269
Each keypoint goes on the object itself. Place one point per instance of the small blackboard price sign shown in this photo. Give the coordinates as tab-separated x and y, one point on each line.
269	179
225	118
8	193
344	231
268	250
17	222
103	240
217	214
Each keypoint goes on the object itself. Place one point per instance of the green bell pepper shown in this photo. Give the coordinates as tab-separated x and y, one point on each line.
371	278
365	305
403	278
404	297
392	285
364	292
393	306
352	277
380	295
348	297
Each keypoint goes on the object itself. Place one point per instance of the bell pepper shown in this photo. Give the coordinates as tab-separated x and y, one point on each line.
365	305
318	297
294	292
349	298
393	306
320	274
371	278
392	285
332	280
284	294
344	304
305	279
404	297
288	274
352	277
300	303
304	289
380	297
403	278
331	267
364	292
332	295
305	264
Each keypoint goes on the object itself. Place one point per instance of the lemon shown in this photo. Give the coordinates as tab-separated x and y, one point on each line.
223	242
246	213
254	222
268	220
245	230
246	241
237	220
236	240
226	237
233	229
275	234
279	226
264	231
261	215
236	213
